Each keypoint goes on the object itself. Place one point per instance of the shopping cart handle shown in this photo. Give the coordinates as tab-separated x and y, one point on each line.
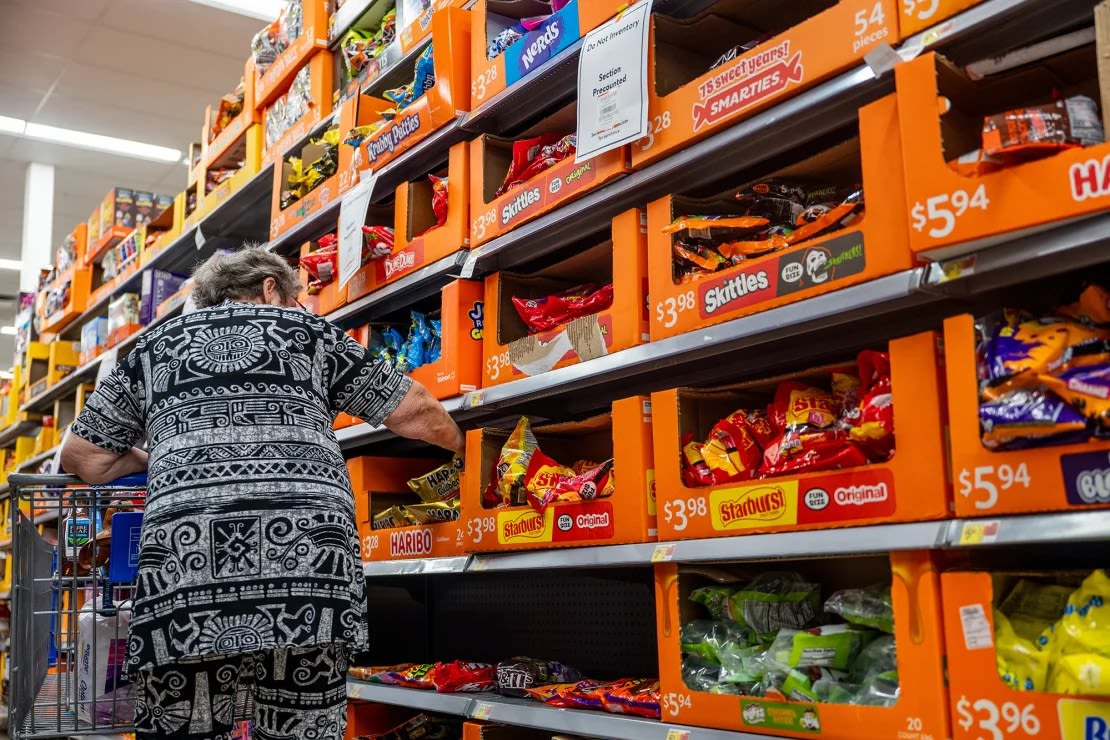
137	480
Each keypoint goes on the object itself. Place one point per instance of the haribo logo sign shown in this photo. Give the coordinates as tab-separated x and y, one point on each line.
542	44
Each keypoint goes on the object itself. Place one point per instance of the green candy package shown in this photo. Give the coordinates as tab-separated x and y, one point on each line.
743	666
715	599
869	607
706	638
798	683
776	601
876	658
700	674
878	691
835	646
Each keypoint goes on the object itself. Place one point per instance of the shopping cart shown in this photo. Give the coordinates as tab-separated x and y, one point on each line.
71	604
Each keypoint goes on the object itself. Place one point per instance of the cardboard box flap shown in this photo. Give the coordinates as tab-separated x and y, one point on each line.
421	216
518	8
686	48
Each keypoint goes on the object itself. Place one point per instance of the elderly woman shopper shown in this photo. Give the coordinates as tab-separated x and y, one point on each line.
249	577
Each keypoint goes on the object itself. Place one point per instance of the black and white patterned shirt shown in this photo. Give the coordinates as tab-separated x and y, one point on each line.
249	540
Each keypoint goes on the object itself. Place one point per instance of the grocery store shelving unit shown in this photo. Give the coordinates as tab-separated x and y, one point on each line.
767	342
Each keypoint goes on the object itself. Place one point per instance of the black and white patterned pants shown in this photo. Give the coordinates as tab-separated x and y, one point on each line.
288	694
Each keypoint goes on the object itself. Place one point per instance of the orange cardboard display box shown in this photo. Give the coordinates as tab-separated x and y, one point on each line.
375	273
314	36
917	15
987	482
910	486
342	419
490	159
314	201
511	352
248	151
329	297
982	705
459	367
164	230
689	98
79	281
380	483
417	240
230	137
942	112
318	73
875	244
371	720
627	516
556	34
921	710
419	29
433	110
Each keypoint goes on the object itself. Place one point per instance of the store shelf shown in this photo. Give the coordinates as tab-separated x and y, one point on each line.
531	713
31	464
18	429
44	402
426	566
1050	528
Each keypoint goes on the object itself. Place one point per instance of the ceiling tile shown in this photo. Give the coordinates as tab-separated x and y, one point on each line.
136	91
37	30
186	23
18	102
30	70
81	10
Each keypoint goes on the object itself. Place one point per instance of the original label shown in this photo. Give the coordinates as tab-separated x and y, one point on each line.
781	716
819	265
1087	478
867	494
747	82
555	34
1084	720
392	136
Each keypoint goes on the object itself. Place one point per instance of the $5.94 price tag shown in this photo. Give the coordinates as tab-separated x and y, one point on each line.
986	481
940	213
997	722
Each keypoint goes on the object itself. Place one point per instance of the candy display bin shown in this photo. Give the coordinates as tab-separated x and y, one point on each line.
79	282
952	213
458	370
981	704
529	53
920	710
626	516
876	244
992	482
438	106
329	297
315	80
511	352
417	232
490	159
911	485
314	201
276	78
380	483
690	96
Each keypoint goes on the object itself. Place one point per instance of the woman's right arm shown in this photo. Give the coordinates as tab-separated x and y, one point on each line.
421	416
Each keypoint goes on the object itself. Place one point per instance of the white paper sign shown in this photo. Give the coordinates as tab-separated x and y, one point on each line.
352	217
612	83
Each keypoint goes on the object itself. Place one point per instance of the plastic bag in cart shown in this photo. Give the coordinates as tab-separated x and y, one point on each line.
105	696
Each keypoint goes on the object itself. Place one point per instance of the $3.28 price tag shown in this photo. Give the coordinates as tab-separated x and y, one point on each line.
997	722
940	213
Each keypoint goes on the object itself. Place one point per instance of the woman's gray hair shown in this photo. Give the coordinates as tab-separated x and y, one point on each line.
238	276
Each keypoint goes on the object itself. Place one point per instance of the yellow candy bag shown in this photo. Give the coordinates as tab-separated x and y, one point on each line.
1022	665
1085	673
1031	607
1085	626
442	484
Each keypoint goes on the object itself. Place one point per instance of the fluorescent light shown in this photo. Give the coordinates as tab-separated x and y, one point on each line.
263	10
110	144
12	125
11	264
8	330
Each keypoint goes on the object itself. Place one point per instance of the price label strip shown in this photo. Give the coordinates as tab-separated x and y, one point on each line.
612	83
662	553
483	711
980	533
676	734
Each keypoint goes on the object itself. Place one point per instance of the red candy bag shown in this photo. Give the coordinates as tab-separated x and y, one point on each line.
544	314
533	156
377	242
874	432
569	695
635	696
548	481
439	199
463	676
731	452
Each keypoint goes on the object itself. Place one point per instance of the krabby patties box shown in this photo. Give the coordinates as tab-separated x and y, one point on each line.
874	245
912	485
690	98
628	515
511	352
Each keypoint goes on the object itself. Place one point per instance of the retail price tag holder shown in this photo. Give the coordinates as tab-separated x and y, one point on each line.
662	553
199	238
979	533
676	734
352	216
482	711
612	83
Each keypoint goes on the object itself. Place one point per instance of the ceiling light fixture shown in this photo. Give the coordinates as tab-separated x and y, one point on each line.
14	126
8	330
87	140
6	264
264	10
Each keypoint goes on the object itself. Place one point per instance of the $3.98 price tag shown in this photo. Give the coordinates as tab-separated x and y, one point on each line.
478	528
986	481
668	311
940	213
996	722
680	512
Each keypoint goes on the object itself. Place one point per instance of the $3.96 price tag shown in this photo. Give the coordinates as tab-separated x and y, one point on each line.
940	213
997	722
